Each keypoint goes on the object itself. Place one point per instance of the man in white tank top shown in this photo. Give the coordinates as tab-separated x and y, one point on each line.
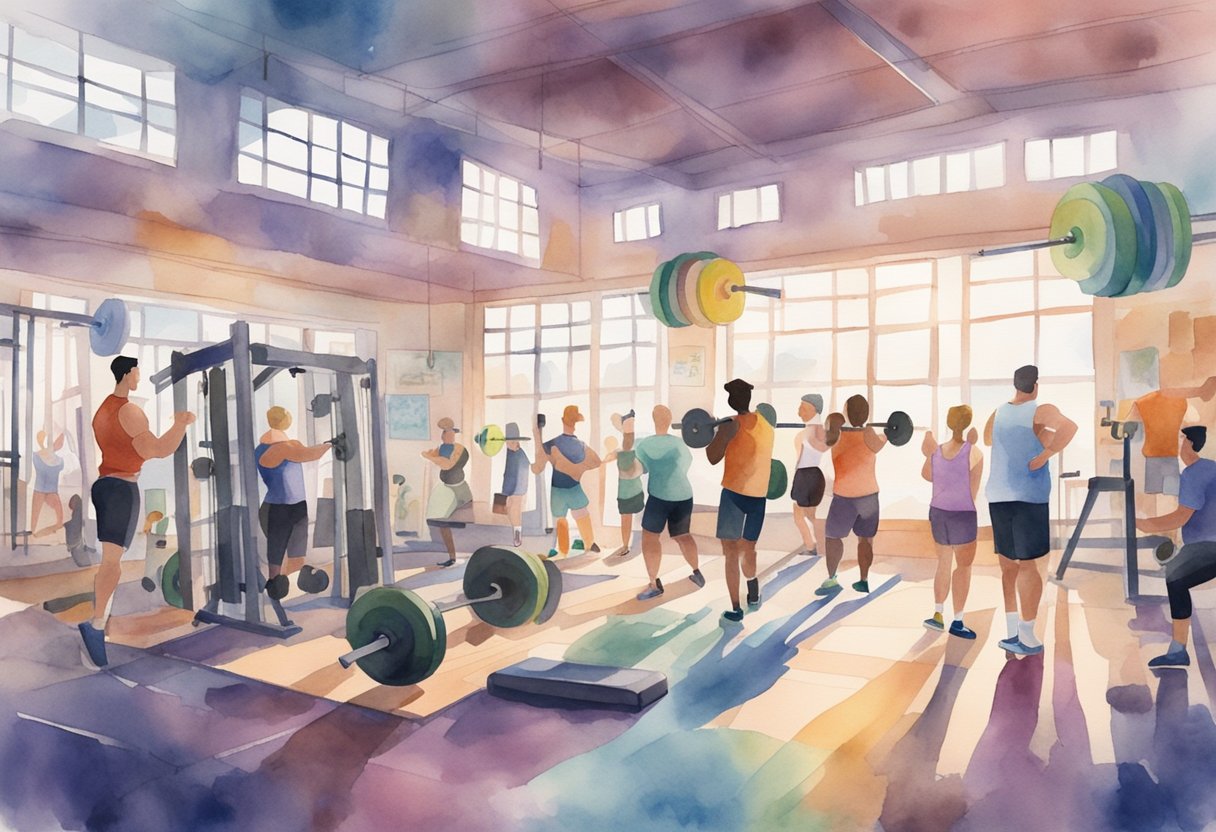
807	489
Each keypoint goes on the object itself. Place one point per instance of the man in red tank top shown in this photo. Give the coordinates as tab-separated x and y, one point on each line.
126	441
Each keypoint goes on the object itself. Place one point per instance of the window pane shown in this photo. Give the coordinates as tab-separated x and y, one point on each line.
876	187
379	155
354	141
815	285
747	207
161	143
555	337
111	128
815	314
1066	345
656	227
805	356
113	100
44	52
751	359
850	313
1060	291
770	204
44	108
523	315
903	355
859	189
508	189
635	224
1103	153
903	307
724	212
248	171
287	181
495	342
958	172
927	176
1038	160
950	289
1017	264
1068	157
949	351
990	166
852	354
287	151
531	221
898	174
354	172
999	347
616	366
616	331
580	311
1002	298
617	306
508	214
554	372
325	162
324	191
646	365
523	373
523	339
618	226
903	274
496	317
128	79
852	282
286	119
160	87
531	247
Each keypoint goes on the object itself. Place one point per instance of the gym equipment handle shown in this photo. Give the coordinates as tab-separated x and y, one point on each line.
366	650
1067	239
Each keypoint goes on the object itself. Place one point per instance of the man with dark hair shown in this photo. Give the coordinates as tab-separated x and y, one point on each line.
1024	435
126	441
746	443
855	506
1195	563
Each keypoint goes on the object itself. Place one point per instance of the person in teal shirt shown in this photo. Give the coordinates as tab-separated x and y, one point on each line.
666	460
629	496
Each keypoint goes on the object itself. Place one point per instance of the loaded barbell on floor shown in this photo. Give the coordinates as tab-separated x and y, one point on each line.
399	638
700	288
897	427
1119	237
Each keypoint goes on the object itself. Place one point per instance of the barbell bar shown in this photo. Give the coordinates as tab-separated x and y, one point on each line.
491	439
398	638
897	427
109	327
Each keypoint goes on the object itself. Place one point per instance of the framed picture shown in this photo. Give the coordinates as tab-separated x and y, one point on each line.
409	417
687	366
408	371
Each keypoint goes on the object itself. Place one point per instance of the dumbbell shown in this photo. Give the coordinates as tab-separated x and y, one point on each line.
399	638
897	427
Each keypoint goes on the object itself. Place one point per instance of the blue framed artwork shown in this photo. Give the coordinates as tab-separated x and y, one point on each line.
409	417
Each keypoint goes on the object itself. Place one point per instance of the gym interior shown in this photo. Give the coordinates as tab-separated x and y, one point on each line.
384	239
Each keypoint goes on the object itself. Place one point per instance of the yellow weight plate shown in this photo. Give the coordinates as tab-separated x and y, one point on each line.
688	290
491	440
718	302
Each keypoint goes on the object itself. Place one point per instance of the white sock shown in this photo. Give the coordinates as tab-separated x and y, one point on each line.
939	608
1026	634
1011	624
958	616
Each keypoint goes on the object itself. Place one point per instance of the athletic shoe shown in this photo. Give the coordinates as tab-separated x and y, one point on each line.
595	548
697	578
734	616
813	553
861	586
148	584
577	545
446	563
277	587
312	580
650	592
958	628
753	594
1179	658
828	587
1007	644
1020	649
94	644
935	623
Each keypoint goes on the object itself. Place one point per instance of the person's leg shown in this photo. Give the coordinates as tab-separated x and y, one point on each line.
836	529
731	554
105	582
964	556
802	523
563	536
36	509
688	548
834	554
626	531
865	556
585	528
1030	593
1009	584
56	505
652	554
941	588
654	516
449	542
515	509
865	526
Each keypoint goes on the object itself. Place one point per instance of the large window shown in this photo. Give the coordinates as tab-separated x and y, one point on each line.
637	223
498	212
919	336
311	156
966	170
81	84
1071	156
749	205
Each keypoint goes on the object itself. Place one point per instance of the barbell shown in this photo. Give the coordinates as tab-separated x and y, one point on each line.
897	427
1119	237
399	638
702	289
491	439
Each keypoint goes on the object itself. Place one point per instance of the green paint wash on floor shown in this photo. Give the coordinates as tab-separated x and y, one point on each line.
623	641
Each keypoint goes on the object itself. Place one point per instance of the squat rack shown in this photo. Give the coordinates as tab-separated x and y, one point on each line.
373	523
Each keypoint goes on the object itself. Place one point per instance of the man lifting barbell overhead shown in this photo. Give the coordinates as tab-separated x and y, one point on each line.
955	469
1024	435
808	486
451	502
126	441
855	507
745	441
666	460
1195	563
570	459
284	514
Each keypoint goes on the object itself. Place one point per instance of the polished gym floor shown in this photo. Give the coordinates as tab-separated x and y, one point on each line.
841	713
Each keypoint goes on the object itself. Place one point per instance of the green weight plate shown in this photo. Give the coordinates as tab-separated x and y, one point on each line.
767	411
1163	226
679	300
554	596
170	582
417	636
1136	198
667	297
656	293
1180	214
778	480
1103	257
520	576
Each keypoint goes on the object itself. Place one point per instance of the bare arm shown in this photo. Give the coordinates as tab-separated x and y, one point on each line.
1204	391
818	442
716	449
292	451
542	456
1176	519
147	444
926	470
874	440
1054	429
988	429
443	462
977	471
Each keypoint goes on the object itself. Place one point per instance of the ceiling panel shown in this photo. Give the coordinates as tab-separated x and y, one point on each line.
676	135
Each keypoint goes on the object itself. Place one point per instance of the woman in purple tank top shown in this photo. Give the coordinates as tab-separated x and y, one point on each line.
954	469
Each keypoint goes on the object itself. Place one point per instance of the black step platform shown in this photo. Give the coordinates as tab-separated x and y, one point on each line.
567	684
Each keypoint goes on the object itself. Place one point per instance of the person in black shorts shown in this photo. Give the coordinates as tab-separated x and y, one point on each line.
807	488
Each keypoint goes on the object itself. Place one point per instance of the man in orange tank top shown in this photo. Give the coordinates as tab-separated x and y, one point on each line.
855	506
126	441
746	443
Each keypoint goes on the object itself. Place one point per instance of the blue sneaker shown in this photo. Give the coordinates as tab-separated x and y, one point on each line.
935	623
734	616
862	586
1020	649
828	587
1179	658
94	643
650	592
697	578
958	628
1007	644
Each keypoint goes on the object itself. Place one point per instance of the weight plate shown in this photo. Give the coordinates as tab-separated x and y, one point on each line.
1163	226
718	302
778	480
110	328
417	636
680	302
697	428
688	291
521	577
667	296
170	582
1136	198
767	411
491	440
1103	257
656	293
1180	214
554	596
899	428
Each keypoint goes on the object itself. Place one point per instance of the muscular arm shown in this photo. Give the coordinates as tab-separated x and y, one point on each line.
926	470
1047	417
977	471
817	438
292	451
716	449
542	456
988	429
147	444
874	441
1176	519
1204	391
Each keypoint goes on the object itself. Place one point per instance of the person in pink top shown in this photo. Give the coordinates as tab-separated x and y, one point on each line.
955	469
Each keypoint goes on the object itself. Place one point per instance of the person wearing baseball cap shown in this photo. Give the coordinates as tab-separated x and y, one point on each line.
570	458
745	442
515	481
451	503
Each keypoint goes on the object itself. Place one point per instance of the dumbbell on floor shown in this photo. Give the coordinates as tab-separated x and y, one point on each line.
400	638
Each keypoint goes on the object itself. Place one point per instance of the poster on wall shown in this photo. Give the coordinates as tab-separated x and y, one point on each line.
687	366
409	417
408	372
